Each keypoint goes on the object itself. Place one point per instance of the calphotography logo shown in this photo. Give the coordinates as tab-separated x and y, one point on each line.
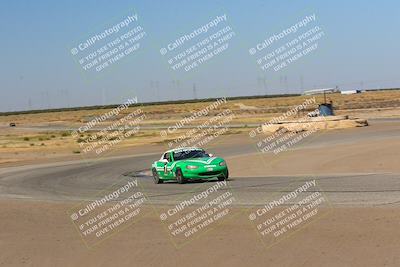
287	131
110	212
289	212
201	127
297	47
198	212
108	46
199	46
105	132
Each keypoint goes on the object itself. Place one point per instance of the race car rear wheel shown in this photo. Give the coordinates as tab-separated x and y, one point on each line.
156	178
179	177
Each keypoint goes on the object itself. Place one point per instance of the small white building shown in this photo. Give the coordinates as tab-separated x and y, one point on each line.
350	92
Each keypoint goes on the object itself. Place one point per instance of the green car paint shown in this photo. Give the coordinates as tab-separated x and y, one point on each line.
188	164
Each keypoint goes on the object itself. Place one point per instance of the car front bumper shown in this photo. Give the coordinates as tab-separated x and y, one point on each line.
206	173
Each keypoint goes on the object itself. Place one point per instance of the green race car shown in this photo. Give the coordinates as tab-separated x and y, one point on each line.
188	164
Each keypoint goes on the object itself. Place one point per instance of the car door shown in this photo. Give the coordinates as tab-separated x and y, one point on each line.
161	165
169	167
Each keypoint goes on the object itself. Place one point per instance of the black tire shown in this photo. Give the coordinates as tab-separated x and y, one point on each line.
156	177
223	177
179	177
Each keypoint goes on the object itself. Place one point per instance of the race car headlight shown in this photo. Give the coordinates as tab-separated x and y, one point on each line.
222	163
191	167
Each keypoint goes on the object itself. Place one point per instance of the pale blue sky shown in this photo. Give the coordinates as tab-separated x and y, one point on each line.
359	49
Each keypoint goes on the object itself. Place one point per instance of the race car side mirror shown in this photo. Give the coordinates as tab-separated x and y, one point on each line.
211	155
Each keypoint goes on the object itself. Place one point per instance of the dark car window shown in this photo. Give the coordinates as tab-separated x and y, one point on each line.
166	156
190	154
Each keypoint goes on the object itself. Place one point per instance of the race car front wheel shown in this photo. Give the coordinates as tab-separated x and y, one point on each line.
156	178
179	177
224	177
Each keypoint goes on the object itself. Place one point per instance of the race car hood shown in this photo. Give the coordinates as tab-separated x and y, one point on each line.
204	160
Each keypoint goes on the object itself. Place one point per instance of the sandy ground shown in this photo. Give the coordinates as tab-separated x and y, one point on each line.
40	233
47	136
344	237
371	157
372	149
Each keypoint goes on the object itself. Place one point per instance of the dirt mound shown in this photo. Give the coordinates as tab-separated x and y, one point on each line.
315	124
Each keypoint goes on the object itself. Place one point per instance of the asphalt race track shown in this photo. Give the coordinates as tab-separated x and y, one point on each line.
81	180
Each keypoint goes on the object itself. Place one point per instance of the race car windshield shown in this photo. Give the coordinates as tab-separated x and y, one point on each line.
190	154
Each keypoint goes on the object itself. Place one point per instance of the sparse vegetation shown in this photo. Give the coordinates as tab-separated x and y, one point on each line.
254	111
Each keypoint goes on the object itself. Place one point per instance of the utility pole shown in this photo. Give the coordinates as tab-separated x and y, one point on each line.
157	89
48	99
154	85
301	83
262	82
286	84
194	91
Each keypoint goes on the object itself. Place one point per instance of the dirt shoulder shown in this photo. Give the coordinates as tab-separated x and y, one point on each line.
41	234
48	136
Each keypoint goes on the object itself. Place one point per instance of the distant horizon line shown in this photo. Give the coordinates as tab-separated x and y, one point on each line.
166	102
